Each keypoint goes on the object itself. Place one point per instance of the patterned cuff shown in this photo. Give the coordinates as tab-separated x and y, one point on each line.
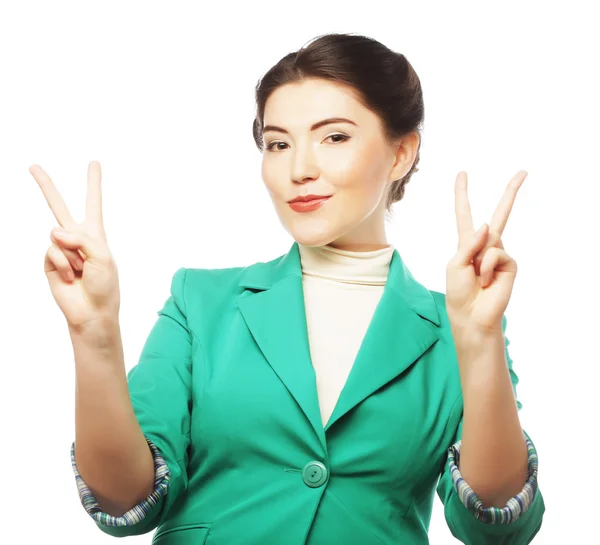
162	476
515	507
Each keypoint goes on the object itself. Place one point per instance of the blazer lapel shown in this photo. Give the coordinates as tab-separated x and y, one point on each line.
402	329
273	308
404	325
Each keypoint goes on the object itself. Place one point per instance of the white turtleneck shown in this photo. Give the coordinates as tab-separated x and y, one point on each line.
341	291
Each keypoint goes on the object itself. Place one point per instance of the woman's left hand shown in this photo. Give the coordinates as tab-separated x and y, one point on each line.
480	277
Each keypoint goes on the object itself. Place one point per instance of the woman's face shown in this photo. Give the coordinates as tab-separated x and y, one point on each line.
350	163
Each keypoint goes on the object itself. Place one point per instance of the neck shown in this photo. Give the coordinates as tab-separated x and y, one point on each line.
358	246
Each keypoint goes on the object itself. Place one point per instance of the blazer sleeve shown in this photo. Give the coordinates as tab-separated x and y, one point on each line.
138	512
160	391
515	524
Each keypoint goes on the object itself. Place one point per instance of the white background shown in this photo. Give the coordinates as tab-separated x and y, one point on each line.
162	94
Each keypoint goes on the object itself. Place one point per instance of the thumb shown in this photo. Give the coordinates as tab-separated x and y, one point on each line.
471	249
78	240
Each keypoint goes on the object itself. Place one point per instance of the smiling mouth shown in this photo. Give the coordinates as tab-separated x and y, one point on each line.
310	205
307	198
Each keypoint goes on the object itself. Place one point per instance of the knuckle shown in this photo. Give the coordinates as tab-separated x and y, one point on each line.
452	263
54	251
70	254
58	260
106	259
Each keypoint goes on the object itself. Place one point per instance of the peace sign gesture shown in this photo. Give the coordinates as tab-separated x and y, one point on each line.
480	277
80	269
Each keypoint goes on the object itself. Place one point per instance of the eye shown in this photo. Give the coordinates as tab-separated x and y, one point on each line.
276	142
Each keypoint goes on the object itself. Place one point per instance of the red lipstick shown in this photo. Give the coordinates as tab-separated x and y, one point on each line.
308	203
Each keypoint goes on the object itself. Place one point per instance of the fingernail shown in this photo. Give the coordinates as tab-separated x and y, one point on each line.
61	233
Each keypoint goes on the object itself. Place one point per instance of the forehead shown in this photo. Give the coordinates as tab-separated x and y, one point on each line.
299	104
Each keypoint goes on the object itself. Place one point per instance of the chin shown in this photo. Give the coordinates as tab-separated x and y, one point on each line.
312	235
311	240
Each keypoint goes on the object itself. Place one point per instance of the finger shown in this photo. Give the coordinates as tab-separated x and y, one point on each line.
93	208
53	198
466	254
505	205
79	240
492	242
56	260
73	256
464	220
495	259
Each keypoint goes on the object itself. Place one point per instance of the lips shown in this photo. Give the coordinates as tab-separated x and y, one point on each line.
309	205
307	198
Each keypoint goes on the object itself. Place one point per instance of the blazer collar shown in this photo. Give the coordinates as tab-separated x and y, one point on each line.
401	330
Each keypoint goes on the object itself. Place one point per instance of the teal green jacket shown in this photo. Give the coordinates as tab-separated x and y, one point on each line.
226	391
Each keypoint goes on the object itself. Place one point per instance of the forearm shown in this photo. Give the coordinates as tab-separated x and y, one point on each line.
493	456
112	455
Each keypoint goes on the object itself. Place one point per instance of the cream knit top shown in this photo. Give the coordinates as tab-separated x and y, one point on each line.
341	290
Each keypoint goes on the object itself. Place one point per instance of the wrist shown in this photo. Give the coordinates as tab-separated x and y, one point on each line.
470	335
102	332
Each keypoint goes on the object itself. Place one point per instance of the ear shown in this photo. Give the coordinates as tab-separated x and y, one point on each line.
405	151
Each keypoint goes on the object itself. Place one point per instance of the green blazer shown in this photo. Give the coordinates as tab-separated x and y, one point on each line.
226	390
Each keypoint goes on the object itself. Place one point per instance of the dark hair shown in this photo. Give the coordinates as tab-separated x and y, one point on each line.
382	80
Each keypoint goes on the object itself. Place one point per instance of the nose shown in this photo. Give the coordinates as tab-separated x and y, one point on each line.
304	167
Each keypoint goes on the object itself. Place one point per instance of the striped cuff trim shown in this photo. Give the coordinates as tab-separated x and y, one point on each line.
514	508
136	514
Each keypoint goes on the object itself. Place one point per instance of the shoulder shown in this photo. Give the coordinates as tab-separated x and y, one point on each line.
191	282
222	277
208	296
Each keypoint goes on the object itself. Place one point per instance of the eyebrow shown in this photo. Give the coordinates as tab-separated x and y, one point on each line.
313	127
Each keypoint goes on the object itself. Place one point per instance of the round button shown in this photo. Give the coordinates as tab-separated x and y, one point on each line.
314	474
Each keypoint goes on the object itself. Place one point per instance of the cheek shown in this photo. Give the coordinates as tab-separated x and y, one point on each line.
362	177
271	185
274	179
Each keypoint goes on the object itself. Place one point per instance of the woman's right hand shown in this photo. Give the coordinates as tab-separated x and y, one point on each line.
88	293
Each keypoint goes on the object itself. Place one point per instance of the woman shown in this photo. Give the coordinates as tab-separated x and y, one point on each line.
324	396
